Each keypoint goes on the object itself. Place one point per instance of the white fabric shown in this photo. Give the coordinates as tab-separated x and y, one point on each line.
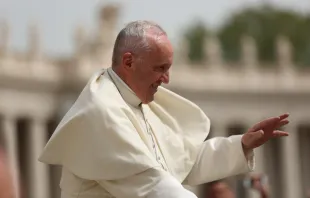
218	158
105	150
135	104
100	122
153	183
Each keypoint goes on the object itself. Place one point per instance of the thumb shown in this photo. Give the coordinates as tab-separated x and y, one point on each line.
252	139
257	135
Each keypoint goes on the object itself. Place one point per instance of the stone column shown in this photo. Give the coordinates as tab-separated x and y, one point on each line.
285	62
284	53
291	171
183	53
213	53
4	38
220	130
39	172
11	147
79	41
249	53
34	43
250	63
304	139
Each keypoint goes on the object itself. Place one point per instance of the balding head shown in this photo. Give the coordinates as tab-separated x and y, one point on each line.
136	37
142	57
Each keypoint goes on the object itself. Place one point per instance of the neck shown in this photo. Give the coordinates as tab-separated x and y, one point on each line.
120	74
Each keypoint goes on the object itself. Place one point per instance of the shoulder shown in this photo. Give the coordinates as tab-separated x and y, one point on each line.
100	95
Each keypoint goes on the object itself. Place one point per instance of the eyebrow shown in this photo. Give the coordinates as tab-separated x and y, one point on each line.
163	64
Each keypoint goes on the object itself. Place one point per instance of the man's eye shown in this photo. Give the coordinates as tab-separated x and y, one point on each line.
162	68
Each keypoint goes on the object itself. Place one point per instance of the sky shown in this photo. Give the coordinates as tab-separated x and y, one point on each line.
57	19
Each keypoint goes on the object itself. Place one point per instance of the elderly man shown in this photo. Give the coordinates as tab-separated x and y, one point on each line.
128	137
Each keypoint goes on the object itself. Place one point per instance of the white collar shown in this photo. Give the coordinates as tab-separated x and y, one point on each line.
128	95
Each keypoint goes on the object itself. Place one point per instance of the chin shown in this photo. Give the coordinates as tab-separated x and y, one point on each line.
148	100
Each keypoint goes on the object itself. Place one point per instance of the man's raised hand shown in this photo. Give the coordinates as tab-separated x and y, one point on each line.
263	131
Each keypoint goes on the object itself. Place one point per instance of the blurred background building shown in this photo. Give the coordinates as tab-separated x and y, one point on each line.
255	66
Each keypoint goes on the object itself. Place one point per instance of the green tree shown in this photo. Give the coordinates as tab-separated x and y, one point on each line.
195	35
265	24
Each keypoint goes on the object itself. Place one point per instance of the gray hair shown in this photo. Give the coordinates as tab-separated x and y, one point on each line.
134	38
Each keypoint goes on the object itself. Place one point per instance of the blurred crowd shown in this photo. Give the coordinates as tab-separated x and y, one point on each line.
255	182
215	189
222	189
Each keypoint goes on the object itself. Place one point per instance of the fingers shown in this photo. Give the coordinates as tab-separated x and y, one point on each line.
270	121
275	122
252	140
284	116
282	123
278	133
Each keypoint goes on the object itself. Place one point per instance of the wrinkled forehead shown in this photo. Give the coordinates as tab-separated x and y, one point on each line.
161	45
163	53
156	37
164	46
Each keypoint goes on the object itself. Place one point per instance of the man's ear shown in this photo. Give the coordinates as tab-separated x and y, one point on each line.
127	60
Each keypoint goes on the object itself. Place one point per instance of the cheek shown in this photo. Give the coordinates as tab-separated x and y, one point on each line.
143	82
149	79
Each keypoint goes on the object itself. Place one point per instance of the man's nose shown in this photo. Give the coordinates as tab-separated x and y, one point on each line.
165	77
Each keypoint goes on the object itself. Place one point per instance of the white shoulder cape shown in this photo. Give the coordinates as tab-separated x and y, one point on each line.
100	137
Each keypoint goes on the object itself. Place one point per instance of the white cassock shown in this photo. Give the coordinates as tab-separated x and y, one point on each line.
110	145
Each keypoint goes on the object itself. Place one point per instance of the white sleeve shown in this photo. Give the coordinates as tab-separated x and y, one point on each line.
152	183
218	158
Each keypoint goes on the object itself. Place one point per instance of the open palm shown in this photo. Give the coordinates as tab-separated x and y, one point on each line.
264	131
